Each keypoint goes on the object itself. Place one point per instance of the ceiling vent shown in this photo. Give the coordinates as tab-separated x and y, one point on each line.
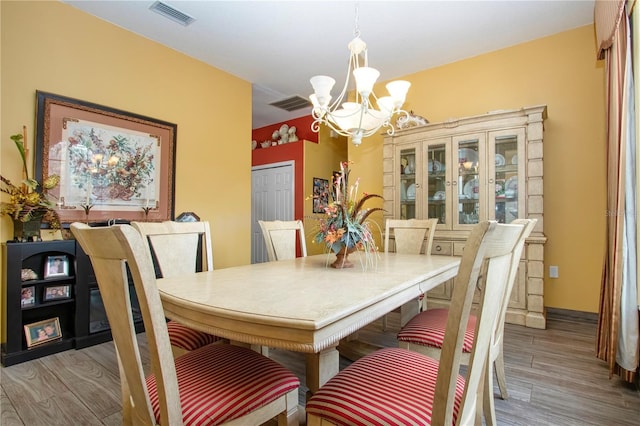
292	104
172	13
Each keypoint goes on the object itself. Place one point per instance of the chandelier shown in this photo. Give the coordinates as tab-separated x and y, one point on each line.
358	119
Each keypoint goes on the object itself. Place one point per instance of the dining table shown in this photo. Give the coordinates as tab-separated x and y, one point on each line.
302	304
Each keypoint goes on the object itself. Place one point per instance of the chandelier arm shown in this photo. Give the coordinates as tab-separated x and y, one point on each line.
354	65
338	130
363	111
365	57
371	132
338	101
315	126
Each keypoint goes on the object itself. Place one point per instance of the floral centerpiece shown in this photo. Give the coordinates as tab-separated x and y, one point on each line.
344	227
29	204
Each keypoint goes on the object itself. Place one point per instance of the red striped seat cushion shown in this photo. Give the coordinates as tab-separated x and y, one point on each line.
391	386
188	338
219	383
427	329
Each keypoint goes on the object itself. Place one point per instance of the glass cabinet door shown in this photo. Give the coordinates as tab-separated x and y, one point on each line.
438	187
506	147
468	185
410	172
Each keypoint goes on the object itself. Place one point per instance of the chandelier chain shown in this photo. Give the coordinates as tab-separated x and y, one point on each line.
356	28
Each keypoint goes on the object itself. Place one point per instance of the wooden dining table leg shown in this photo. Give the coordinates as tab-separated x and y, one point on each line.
320	367
409	310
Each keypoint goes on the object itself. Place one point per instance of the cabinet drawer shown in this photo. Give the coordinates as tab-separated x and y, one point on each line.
443	248
458	248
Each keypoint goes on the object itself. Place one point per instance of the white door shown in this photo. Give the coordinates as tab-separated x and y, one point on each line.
272	190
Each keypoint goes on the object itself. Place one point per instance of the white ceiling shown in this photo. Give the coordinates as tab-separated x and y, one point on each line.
279	45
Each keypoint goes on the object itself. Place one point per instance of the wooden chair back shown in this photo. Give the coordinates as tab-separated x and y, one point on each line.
280	238
111	250
488	255
178	247
528	224
412	236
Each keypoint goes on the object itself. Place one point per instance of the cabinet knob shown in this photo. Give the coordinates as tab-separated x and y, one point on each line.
438	248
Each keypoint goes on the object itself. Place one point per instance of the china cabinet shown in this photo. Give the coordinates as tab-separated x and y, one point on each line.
465	170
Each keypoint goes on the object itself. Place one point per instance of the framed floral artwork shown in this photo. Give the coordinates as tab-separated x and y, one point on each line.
111	163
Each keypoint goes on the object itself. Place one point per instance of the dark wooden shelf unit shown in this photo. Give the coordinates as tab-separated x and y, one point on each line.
33	255
83	321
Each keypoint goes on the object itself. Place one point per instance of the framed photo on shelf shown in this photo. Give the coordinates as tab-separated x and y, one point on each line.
320	194
111	163
28	296
188	217
56	266
41	332
56	292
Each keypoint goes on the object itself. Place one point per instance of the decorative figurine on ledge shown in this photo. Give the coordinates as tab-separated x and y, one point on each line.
411	120
146	213
87	208
284	135
292	134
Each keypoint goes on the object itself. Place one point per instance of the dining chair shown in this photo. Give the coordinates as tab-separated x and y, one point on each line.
410	236
425	332
215	384
280	238
399	386
179	248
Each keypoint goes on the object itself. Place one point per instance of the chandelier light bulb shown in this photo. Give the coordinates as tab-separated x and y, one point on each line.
322	86
365	79
398	90
386	104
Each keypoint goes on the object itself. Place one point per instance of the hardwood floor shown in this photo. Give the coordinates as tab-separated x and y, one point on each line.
553	378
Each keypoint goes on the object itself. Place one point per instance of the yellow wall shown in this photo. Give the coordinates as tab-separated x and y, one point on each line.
320	160
53	47
560	71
